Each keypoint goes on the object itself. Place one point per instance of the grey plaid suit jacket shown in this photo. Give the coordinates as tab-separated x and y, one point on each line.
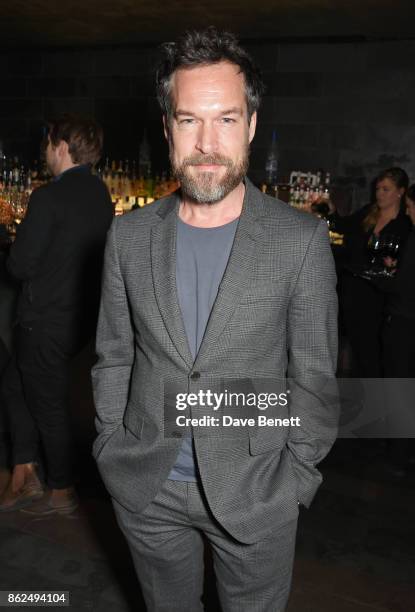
275	316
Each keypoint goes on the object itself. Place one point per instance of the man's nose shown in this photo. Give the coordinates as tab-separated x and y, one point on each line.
207	138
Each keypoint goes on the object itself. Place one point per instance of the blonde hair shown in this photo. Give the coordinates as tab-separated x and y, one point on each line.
400	179
371	218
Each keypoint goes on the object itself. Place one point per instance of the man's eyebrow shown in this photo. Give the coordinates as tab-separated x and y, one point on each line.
181	112
235	110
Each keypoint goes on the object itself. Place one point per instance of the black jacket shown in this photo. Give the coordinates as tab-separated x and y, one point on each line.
356	256
58	249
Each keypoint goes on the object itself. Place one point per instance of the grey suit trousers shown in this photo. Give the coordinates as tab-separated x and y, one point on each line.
167	548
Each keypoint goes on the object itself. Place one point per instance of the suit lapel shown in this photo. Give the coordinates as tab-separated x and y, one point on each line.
236	279
239	271
163	265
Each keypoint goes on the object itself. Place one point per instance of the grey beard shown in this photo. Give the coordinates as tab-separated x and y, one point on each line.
203	189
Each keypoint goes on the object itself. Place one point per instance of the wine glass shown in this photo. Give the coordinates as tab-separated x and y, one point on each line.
390	249
374	246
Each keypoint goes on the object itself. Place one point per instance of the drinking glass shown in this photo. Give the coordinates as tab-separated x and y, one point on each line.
390	249
382	247
374	246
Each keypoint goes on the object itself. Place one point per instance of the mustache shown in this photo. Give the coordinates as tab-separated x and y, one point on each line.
213	158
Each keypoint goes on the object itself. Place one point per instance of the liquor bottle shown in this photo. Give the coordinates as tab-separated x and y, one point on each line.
301	195
157	189
296	195
271	167
4	172
119	190
318	183
34	171
140	191
128	185
149	183
326	192
144	162
28	187
291	198
307	197
16	170
22	180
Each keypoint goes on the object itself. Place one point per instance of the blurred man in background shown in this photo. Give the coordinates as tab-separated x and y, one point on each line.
57	257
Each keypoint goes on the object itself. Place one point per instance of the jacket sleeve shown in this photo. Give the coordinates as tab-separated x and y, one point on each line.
312	353
348	224
33	238
114	344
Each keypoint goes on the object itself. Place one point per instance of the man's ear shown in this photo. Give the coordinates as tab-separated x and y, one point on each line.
63	148
252	126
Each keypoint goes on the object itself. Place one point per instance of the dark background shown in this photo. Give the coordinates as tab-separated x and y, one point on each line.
340	78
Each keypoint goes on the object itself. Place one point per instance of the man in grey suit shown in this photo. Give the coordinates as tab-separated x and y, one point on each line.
215	284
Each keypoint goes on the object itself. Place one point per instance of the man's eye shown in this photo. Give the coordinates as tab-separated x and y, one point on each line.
186	121
228	120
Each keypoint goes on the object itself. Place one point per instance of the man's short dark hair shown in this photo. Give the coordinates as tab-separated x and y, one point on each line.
203	48
83	135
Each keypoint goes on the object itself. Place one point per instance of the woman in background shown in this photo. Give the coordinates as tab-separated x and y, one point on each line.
399	329
398	339
362	304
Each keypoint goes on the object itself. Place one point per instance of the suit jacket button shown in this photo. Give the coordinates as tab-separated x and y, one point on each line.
195	375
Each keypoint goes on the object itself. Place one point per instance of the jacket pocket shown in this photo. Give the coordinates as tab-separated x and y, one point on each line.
267	441
101	441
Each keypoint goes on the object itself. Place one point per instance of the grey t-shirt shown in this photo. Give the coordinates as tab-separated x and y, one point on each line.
201	258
